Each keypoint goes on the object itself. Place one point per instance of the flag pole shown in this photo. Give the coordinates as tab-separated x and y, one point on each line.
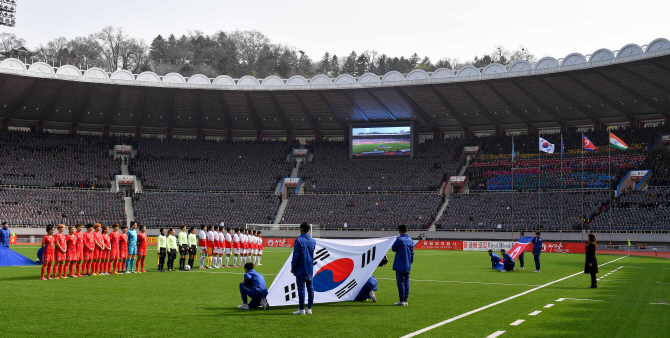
512	210
560	230
609	180
539	179
582	181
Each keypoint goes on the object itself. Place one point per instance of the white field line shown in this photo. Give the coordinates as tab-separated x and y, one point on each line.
516	323
659	303
548	306
495	334
455	281
592	300
663	283
426	329
535	313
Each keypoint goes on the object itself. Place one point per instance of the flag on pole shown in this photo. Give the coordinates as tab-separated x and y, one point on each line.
617	142
517	249
341	268
562	148
546	146
587	145
513	153
629	242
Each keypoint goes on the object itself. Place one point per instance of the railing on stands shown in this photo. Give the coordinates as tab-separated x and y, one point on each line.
32	187
389	192
529	229
145	191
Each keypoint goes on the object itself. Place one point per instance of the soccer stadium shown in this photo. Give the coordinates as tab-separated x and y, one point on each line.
224	184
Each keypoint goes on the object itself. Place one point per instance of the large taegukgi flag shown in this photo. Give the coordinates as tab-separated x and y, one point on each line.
341	268
517	249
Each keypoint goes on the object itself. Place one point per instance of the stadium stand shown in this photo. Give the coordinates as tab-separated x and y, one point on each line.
647	210
367	211
332	171
211	165
48	160
40	207
659	163
484	211
195	209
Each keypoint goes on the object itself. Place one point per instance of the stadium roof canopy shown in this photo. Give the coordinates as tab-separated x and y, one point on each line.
629	85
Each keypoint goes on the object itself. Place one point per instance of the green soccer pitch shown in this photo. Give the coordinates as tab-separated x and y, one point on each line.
361	148
456	289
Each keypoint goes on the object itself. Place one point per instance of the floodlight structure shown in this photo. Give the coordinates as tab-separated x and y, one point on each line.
7	13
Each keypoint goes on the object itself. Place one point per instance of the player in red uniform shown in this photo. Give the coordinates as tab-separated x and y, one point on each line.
61	248
141	248
97	253
48	252
114	237
123	249
107	249
71	254
89	249
80	249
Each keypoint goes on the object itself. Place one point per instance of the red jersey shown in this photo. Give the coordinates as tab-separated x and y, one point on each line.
48	242
142	241
114	239
108	242
61	240
71	241
98	238
80	241
123	242
89	241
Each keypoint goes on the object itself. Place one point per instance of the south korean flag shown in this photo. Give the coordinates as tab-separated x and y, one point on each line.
546	146
341	268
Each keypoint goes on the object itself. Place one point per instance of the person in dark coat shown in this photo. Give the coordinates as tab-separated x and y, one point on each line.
591	265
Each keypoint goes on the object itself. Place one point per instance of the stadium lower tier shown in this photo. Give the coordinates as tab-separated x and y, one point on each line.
195	209
550	180
54	206
373	211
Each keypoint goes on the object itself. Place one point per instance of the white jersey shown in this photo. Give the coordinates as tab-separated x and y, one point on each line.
236	238
202	236
220	237
229	238
243	238
210	236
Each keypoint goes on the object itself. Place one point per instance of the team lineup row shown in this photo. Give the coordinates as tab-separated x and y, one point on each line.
217	241
94	252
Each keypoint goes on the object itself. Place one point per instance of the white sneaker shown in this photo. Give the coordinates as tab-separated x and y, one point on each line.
514	270
127	272
308	311
536	271
373	296
405	304
243	306
521	268
264	304
503	270
299	312
399	303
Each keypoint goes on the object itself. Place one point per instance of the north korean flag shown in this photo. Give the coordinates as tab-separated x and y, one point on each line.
587	145
520	246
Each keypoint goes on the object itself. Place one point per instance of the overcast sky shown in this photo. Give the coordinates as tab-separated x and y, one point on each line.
441	28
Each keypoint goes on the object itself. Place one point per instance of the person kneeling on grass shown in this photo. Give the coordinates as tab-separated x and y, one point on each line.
368	291
508	262
253	286
495	259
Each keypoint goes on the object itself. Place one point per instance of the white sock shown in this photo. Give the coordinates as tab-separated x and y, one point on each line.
220	260
259	259
202	259
235	260
227	259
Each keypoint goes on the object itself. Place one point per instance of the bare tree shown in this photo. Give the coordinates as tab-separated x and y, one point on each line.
9	41
249	44
113	43
86	50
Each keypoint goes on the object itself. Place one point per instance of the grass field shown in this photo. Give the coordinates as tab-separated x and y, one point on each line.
361	148
444	285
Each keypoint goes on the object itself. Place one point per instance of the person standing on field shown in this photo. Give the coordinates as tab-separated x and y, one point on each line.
591	265
537	250
5	235
402	264
302	267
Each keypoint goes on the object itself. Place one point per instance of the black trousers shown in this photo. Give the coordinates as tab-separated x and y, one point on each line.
161	257
171	256
593	279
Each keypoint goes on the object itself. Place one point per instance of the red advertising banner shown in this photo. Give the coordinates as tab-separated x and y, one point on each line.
439	245
278	242
559	247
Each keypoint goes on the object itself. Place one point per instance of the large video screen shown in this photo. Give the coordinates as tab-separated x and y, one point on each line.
391	141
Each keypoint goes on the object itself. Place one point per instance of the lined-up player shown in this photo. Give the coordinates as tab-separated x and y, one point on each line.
123	249
218	244
107	252
260	247
48	252
71	253
228	244
89	249
237	245
192	247
80	248
202	243
141	249
61	247
114	255
97	253
210	246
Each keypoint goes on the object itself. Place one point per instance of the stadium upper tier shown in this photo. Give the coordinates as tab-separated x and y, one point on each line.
627	85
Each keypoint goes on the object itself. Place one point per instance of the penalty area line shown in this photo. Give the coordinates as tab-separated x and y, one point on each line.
416	333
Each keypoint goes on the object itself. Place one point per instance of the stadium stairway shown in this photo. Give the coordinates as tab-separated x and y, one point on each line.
439	214
280	212
130	212
124	169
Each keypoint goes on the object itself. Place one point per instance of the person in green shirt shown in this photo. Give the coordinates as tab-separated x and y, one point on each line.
182	241
192	247
161	244
172	250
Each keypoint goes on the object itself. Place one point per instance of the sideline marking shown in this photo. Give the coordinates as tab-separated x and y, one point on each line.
592	300
416	333
517	322
535	313
495	334
548	306
659	303
663	283
455	281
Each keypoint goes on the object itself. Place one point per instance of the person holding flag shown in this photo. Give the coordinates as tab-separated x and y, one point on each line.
402	264
508	261
495	259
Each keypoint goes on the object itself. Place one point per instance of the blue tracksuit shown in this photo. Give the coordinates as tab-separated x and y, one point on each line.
404	257
370	285
254	286
537	250
495	259
302	266
508	262
4	236
521	259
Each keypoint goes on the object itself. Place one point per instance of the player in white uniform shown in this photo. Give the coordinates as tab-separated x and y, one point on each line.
211	239
244	246
260	246
254	253
229	244
221	250
202	238
236	243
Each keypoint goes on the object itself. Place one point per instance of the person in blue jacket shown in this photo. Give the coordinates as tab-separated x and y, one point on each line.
368	291
537	250
404	257
255	288
495	259
5	234
508	262
521	257
302	267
